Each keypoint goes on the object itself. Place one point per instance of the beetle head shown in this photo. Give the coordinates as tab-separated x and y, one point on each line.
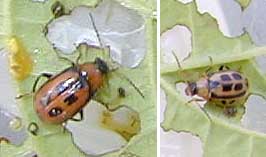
101	65
191	89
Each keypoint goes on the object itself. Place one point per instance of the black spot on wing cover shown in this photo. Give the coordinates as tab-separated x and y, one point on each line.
225	77
72	98
237	76
238	86
213	84
227	87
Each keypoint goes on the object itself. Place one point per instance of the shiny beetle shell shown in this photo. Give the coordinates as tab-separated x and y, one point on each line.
224	88
66	93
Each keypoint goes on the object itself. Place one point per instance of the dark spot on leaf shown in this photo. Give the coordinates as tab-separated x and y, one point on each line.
121	92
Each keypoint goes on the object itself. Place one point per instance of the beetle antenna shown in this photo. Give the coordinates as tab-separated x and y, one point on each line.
96	31
177	60
122	76
102	46
178	64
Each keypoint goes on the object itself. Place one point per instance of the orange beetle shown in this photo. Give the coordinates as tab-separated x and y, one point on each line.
66	93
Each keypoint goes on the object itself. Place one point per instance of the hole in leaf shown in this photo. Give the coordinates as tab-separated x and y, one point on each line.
255	116
178	40
254	18
104	131
180	144
120	28
261	62
11	128
7	87
227	13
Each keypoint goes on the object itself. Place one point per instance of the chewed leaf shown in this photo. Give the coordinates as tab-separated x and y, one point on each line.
227	13
254	113
103	131
121	29
177	40
27	20
12	129
254	21
211	49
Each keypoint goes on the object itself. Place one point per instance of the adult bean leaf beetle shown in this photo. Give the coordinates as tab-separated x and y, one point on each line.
66	93
225	88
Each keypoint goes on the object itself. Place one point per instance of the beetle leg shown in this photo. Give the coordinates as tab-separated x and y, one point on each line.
223	67
33	128
78	119
210	66
230	111
47	75
195	100
64	127
81	114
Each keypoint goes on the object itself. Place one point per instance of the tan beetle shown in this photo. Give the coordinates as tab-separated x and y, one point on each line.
225	88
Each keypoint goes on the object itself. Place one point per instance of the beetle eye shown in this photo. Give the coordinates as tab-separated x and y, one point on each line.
55	112
193	88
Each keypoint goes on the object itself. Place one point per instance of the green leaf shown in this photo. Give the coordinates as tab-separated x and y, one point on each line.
25	20
221	136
